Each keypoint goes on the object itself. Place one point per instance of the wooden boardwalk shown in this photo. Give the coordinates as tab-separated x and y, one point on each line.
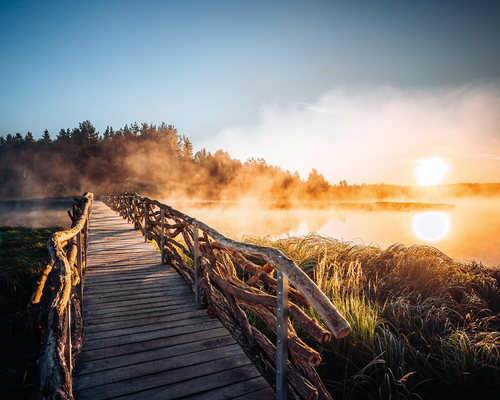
144	338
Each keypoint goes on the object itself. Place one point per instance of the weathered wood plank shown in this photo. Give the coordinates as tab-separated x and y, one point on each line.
152	311
252	386
267	393
164	351
199	384
165	301
117	290
151	326
161	379
150	335
105	304
154	366
155	318
100	354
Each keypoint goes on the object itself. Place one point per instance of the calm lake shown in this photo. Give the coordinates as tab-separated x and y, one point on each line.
469	231
37	212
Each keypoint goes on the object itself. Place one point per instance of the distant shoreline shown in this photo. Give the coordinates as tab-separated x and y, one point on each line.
321	205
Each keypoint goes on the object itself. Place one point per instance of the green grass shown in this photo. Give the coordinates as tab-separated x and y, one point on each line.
23	255
424	326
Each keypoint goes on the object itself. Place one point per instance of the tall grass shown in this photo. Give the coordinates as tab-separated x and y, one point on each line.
23	255
424	326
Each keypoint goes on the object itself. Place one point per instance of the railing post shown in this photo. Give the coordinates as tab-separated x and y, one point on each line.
162	245
197	270
127	201
79	266
282	337
67	347
135	211
146	217
86	240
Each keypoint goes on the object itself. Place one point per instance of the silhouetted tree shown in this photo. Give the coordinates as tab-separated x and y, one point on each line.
29	138
46	136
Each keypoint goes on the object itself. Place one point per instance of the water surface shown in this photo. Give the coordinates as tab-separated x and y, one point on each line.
469	231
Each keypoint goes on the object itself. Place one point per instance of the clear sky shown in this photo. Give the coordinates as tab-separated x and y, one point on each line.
359	90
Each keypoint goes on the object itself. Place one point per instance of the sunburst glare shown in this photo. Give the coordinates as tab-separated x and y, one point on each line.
430	171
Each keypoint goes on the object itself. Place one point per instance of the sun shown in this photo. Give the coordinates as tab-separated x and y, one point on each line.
430	171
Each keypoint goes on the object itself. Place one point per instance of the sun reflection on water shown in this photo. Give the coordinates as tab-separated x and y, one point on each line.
431	226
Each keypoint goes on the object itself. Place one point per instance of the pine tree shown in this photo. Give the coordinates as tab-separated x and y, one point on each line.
46	136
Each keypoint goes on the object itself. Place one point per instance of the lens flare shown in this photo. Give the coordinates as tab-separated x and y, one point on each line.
431	226
430	171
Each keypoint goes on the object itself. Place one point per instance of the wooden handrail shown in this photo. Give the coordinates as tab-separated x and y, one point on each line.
57	299
218	258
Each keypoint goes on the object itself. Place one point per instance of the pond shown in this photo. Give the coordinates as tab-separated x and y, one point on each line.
469	231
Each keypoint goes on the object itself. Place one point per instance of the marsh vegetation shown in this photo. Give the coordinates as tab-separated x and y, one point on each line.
23	255
424	326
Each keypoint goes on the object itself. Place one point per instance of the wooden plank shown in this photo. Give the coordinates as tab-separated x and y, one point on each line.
200	384
137	294
252	386
147	298
133	285
150	326
154	366
100	354
151	312
262	394
163	379
160	308
150	335
140	320
164	301
165	351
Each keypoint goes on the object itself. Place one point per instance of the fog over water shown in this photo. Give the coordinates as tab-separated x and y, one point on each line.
36	213
468	232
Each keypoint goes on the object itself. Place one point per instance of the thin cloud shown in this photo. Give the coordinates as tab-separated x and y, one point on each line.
312	107
360	134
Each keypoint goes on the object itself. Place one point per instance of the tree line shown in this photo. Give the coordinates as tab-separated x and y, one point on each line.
158	161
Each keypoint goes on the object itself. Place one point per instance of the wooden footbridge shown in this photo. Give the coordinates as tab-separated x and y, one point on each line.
132	322
144	337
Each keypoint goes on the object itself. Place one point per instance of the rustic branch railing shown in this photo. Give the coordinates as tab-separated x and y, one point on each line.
223	273
56	304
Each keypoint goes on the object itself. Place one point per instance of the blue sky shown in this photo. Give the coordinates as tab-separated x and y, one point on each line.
255	77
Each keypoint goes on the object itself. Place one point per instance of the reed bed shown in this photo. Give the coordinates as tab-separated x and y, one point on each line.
424	326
